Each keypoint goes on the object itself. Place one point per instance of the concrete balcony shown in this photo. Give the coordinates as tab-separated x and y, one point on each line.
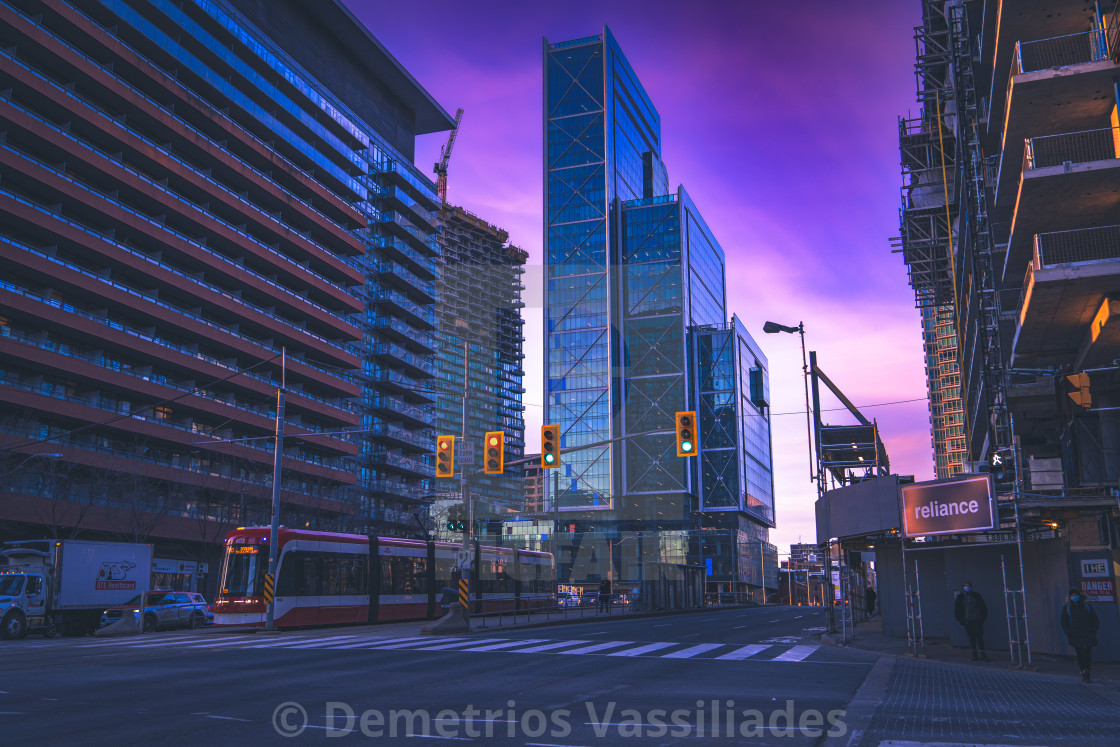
1016	20
1070	312
1069	182
1057	85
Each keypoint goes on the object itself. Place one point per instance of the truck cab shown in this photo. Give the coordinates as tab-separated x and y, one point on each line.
23	603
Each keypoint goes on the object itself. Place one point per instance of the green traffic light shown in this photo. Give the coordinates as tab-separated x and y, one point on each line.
686	446
549	458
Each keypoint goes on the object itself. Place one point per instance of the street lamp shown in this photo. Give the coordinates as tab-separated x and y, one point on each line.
46	455
772	328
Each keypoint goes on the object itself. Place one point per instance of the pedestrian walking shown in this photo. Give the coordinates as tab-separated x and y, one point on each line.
971	612
1080	624
604	594
869	597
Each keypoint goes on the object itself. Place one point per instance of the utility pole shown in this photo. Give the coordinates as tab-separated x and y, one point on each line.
820	491
277	467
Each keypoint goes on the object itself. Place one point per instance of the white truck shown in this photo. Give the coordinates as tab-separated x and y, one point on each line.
63	586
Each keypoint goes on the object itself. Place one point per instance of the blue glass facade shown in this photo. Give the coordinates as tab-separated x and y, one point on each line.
732	392
634	274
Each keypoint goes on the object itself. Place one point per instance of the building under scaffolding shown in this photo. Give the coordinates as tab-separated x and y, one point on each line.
928	222
479	337
1009	231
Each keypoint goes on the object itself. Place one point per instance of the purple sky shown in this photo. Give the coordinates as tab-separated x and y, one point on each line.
780	119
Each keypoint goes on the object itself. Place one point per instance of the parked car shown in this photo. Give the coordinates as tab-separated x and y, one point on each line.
164	609
590	599
566	599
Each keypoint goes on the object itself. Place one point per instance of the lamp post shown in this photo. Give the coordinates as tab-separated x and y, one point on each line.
772	328
814	437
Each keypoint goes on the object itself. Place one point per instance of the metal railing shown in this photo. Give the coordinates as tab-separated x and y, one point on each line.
1059	51
508	611
1080	245
1071	147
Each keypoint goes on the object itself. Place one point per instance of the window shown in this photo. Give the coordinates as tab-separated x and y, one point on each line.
404	575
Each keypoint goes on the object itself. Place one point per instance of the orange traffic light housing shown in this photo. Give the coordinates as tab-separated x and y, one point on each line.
494	450
445	456
687	443
550	446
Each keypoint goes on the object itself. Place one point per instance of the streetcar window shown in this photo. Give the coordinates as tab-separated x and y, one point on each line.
312	574
244	572
404	575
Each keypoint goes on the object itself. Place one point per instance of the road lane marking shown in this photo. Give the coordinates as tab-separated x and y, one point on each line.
641	649
743	653
598	647
797	653
663	625
688	653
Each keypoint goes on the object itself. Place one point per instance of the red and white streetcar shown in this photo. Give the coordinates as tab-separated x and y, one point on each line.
333	579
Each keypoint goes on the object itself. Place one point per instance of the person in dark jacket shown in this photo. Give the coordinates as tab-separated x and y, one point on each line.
971	612
1080	624
604	595
869	597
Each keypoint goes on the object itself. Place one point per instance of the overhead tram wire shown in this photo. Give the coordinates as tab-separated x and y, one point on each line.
823	409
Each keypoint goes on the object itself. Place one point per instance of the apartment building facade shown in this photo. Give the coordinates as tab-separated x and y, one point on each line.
203	202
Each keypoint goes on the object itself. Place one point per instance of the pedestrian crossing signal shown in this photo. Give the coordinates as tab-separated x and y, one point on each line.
494	445
445	456
550	446
686	433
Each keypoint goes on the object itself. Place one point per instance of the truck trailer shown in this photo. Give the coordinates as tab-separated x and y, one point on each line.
63	586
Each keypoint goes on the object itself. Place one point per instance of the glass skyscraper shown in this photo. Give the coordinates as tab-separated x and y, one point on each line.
634	275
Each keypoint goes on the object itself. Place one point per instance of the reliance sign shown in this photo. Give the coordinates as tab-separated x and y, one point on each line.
947	506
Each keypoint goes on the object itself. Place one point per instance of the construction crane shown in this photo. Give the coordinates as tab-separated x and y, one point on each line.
444	155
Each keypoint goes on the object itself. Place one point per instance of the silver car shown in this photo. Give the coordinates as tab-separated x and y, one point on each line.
164	609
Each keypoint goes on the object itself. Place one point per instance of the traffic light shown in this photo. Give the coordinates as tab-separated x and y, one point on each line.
455	522
445	456
1001	465
550	446
686	433
495	445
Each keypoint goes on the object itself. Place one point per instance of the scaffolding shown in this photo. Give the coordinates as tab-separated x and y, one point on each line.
928	220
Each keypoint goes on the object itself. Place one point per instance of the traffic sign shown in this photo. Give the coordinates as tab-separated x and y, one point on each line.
269	588
464	559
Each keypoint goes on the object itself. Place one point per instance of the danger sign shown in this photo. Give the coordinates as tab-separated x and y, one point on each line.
1099	589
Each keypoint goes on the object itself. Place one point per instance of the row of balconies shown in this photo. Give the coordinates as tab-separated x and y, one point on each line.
1058	186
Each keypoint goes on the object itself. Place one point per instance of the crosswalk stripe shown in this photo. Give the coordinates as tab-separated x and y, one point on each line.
641	649
548	647
688	653
797	653
597	647
745	652
292	642
323	644
507	644
456	644
403	642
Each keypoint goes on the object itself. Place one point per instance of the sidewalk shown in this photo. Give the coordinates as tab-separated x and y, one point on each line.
869	637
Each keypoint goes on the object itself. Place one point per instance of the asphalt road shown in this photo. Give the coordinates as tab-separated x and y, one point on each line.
736	675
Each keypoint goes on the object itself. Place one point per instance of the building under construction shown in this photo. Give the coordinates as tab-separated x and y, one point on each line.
1010	234
479	340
